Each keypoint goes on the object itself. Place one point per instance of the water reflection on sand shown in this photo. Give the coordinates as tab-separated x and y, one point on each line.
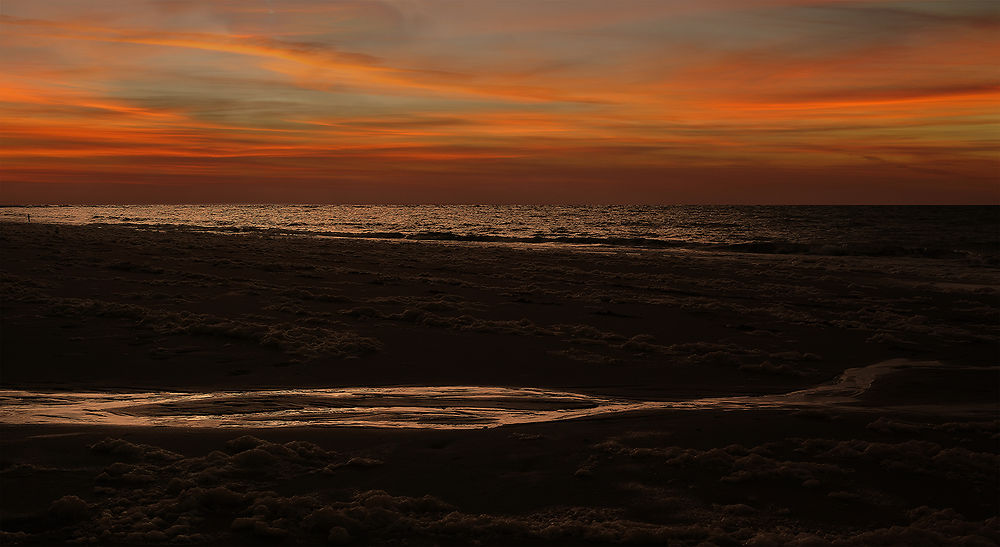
435	407
440	407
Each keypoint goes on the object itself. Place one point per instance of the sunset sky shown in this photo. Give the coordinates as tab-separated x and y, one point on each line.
509	101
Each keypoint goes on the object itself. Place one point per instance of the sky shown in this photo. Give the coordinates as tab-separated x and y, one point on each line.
499	101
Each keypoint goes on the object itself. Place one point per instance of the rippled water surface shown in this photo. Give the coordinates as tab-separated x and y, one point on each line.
429	407
441	407
935	231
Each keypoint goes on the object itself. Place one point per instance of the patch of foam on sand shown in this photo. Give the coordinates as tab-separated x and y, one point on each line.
458	407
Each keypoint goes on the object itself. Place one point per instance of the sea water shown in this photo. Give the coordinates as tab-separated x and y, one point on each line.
924	231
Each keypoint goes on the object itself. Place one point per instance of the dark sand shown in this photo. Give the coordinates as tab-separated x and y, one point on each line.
913	462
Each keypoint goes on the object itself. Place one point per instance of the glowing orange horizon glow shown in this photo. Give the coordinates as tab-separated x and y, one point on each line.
784	101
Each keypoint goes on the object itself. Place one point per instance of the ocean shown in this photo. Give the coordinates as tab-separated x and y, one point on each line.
921	231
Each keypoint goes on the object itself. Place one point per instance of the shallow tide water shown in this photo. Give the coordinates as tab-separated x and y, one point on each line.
433	407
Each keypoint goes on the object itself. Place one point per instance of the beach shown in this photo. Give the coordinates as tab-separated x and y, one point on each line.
498	273
907	453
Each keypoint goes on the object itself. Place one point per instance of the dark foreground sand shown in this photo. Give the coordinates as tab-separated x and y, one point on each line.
914	461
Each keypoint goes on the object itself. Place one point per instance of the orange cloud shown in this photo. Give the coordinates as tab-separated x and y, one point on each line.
359	69
489	95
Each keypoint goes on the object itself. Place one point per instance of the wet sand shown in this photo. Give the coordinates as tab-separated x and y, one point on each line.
908	458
